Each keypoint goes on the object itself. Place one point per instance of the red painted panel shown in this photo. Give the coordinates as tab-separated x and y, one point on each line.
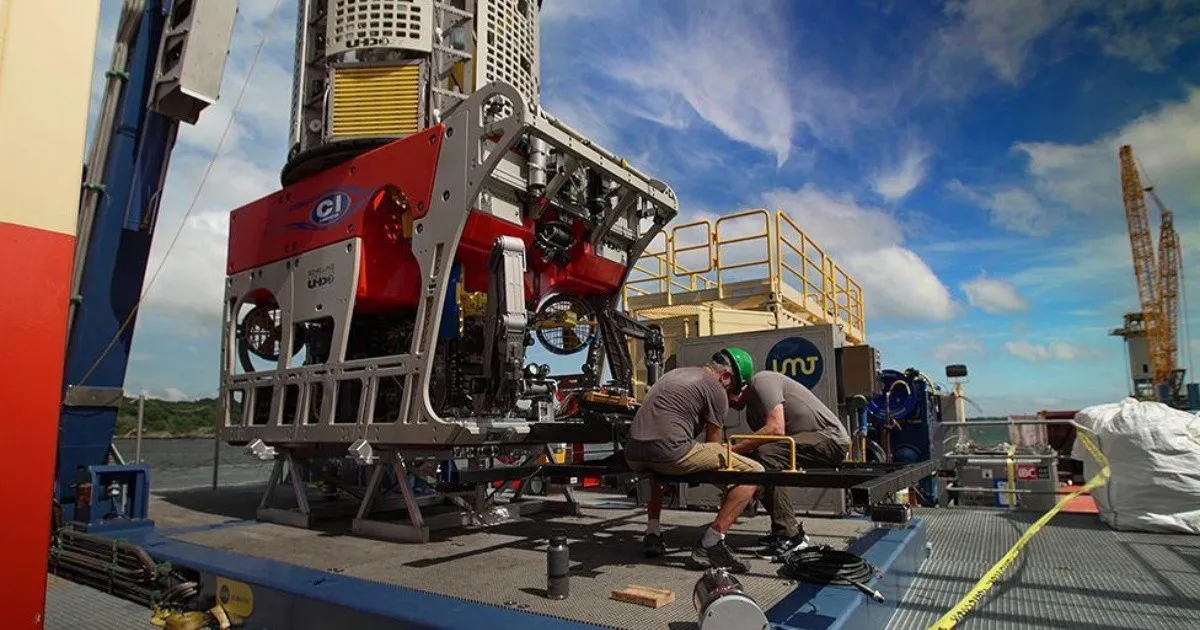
328	208
586	274
360	199
33	313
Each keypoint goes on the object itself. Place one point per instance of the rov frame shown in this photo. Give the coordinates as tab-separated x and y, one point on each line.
475	168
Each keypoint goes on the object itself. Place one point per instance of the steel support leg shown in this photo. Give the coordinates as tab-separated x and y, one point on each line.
302	516
415	530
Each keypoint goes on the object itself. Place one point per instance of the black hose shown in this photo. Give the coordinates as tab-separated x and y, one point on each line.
825	565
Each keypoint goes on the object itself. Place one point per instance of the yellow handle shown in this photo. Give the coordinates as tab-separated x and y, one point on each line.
756	436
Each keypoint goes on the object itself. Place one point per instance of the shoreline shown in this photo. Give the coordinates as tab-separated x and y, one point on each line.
160	435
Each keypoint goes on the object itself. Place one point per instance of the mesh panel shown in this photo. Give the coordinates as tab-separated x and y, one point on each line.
507	50
404	24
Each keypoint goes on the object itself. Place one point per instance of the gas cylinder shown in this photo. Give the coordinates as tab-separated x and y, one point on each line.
558	567
722	604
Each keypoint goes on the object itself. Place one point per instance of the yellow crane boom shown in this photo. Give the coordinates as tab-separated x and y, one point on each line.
1169	270
1157	281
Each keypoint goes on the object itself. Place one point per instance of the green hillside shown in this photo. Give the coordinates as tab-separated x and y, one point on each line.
164	418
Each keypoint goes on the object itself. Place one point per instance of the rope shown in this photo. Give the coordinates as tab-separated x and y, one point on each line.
826	565
960	610
191	206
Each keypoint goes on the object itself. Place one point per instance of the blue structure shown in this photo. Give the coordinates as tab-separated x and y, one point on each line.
114	268
114	498
906	412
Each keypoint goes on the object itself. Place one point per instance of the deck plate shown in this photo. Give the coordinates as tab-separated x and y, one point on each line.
1075	573
507	563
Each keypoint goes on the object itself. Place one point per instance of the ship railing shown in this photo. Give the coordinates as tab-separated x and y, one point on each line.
756	251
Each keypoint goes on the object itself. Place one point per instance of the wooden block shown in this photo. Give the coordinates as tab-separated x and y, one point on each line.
644	596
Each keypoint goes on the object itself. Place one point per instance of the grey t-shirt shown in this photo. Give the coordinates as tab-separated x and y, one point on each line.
803	412
674	413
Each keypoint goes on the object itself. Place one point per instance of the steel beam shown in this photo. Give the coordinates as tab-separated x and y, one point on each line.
868	483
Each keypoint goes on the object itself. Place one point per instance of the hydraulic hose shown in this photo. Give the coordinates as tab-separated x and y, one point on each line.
825	565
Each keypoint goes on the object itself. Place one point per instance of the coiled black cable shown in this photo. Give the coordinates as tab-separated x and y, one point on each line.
825	565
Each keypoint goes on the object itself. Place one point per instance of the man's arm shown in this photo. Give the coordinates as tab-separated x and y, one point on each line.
713	433
718	408
773	424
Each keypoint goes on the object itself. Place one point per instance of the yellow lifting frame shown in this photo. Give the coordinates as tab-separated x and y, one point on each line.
755	436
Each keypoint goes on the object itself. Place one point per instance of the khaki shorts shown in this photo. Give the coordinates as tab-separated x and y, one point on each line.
702	458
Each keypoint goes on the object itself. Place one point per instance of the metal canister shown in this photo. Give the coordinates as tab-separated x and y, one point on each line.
722	604
558	567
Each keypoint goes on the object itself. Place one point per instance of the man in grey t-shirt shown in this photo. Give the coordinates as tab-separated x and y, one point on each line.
683	405
778	405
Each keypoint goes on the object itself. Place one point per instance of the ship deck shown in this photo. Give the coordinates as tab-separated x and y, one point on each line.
1075	571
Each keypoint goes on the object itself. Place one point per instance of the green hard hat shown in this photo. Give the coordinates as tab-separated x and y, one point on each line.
742	364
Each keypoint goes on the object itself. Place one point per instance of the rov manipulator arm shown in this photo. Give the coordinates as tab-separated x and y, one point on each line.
615	327
507	335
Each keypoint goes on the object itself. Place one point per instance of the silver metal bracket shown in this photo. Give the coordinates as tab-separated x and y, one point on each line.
84	396
261	451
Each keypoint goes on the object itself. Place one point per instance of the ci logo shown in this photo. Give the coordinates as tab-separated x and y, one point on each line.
798	358
330	208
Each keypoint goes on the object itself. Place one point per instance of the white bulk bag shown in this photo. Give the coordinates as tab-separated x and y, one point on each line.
1154	454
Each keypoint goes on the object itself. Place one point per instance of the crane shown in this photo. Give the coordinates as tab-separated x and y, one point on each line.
1158	284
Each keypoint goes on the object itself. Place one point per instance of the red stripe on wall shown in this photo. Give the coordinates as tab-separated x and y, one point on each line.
35	267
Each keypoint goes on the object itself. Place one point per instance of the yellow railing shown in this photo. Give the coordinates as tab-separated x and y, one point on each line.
667	268
732	246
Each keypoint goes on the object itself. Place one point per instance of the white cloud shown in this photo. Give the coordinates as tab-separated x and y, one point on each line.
1053	351
639	62
566	10
994	296
868	242
752	105
1012	208
1156	36
904	177
983	41
170	394
997	34
1084	183
957	350
1087	177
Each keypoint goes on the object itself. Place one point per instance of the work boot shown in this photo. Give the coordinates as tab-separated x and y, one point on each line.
769	539
719	556
653	546
782	546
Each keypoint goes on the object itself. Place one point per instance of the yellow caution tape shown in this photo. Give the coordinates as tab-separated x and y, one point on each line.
951	618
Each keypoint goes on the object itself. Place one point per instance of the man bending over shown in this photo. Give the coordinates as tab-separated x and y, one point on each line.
778	405
685	403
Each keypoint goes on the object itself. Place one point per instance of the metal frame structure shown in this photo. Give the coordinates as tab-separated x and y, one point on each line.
476	171
475	168
868	484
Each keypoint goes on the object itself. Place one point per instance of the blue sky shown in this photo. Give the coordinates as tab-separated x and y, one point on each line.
959	158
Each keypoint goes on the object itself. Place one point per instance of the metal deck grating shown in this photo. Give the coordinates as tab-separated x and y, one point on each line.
71	606
1075	572
506	565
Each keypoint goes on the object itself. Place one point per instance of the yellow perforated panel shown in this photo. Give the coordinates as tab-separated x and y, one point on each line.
376	101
